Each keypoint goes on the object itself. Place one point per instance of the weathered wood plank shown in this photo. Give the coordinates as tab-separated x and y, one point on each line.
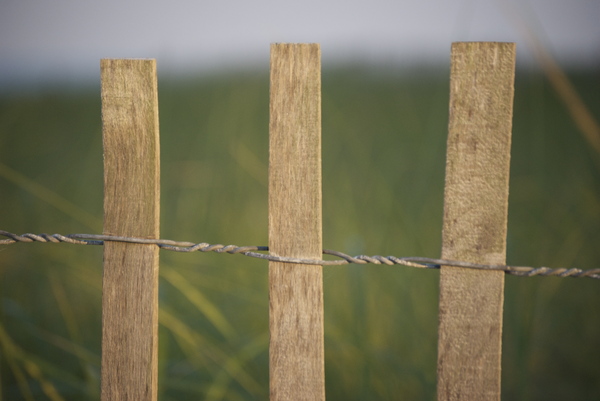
131	208
295	291
475	220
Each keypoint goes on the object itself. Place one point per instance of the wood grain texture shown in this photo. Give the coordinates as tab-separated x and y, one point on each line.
295	291
131	208
475	220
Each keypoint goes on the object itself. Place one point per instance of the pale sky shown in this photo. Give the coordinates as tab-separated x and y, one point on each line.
65	39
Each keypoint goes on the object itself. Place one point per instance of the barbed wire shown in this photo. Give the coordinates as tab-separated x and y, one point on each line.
253	251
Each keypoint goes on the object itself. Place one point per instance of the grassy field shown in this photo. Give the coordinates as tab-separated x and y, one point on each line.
383	163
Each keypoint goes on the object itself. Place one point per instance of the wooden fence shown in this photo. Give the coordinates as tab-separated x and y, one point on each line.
474	230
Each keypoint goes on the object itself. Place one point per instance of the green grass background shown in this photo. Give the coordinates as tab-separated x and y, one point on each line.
384	136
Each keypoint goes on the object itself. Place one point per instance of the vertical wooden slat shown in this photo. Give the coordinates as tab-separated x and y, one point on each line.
475	220
295	291
131	208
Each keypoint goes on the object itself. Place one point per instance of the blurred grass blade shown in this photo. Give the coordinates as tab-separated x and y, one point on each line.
11	353
47	387
196	348
203	304
249	161
14	356
235	363
580	113
50	197
71	322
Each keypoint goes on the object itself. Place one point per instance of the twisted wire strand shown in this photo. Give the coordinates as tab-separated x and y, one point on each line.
253	251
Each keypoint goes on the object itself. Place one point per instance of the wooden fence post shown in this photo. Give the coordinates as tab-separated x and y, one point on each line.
295	291
131	208
475	220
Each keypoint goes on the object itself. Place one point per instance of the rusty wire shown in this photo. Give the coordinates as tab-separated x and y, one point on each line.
253	251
